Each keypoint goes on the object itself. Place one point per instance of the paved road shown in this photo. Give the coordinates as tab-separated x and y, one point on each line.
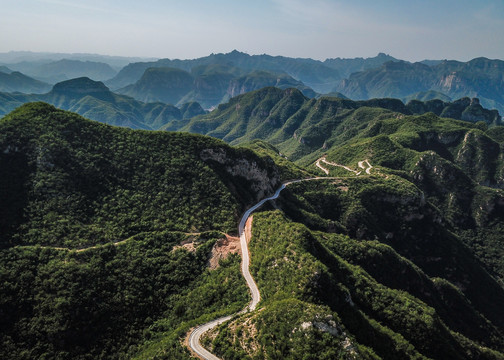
194	337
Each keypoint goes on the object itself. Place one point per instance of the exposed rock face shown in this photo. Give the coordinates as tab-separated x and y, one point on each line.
463	109
263	181
451	82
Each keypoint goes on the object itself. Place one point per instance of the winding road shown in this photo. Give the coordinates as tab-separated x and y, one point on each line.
197	333
360	164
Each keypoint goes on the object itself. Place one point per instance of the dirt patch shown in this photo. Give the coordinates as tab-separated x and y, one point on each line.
222	248
248	228
189	244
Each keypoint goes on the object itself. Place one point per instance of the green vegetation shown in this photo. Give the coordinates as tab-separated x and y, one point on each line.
72	182
402	261
344	298
407	259
94	100
209	85
105	302
16	81
90	217
303	128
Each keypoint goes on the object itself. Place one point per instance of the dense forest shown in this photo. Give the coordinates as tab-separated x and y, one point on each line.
107	234
90	218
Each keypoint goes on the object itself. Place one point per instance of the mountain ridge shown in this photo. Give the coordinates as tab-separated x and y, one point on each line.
15	81
94	100
479	77
399	260
298	125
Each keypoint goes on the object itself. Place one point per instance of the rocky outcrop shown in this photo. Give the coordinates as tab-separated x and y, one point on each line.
262	180
466	109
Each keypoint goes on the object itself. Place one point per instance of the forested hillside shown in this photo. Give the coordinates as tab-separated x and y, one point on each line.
90	219
398	255
208	85
107	232
299	126
95	101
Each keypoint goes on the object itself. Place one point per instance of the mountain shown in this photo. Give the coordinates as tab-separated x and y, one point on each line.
397	254
37	58
191	109
297	126
480	77
261	79
17	82
95	101
5	69
91	220
167	85
359	78
346	67
312	73
66	69
208	85
426	96
392	79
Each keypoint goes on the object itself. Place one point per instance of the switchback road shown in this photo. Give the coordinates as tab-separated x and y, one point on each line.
197	333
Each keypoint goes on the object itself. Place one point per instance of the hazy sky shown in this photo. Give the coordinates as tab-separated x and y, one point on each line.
406	29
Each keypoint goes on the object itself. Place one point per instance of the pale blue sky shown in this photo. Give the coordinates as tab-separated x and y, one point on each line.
410	30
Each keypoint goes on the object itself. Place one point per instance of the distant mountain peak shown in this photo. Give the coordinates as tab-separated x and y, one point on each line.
82	85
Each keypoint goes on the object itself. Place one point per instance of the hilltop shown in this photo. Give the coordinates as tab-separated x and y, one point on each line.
299	126
91	218
95	101
14	81
208	85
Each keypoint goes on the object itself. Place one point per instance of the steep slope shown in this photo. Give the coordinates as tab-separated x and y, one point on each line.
168	85
260	79
208	85
94	100
331	296
397	257
18	82
479	77
298	126
58	155
91	220
311	72
392	79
